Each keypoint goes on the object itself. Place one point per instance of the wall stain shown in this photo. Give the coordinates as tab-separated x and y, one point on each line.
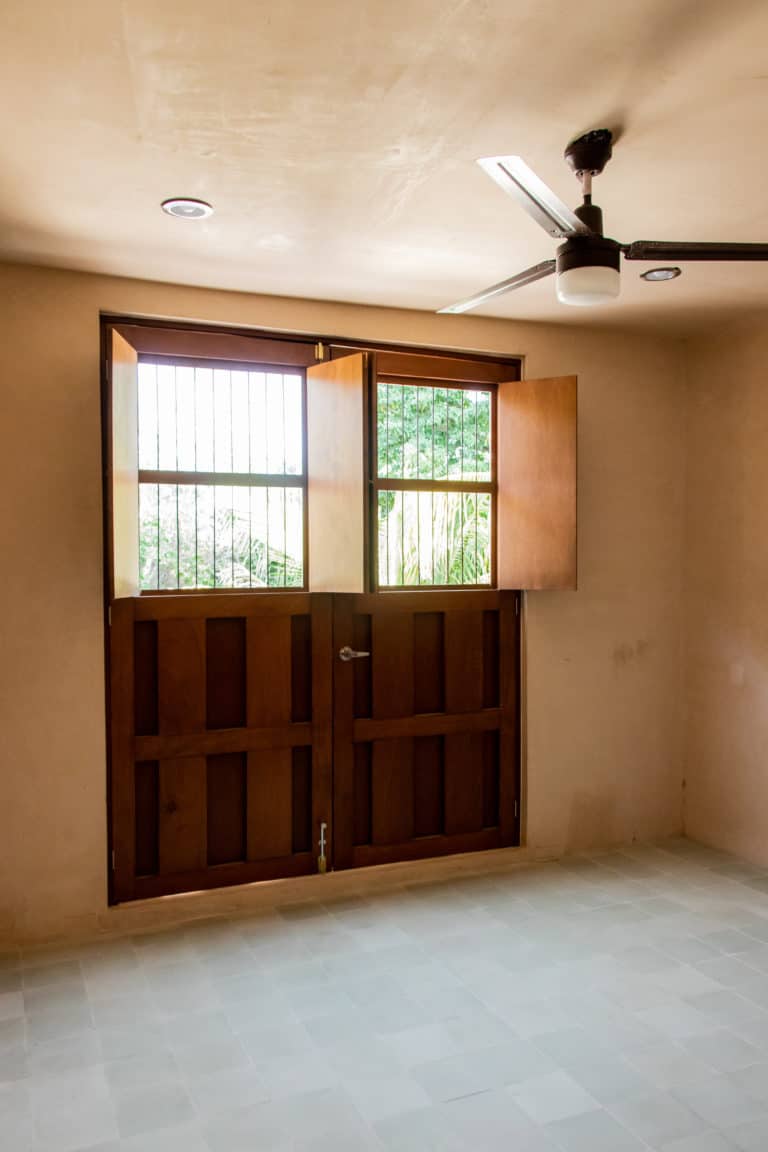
628	653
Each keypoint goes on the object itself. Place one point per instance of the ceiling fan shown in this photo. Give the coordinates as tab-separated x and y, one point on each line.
588	263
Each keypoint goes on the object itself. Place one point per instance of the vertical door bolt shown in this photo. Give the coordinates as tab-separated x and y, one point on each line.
321	859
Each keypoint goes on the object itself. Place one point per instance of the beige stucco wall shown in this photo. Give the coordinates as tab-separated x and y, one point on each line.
604	722
727	591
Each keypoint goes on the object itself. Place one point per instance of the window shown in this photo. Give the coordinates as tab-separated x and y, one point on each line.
237	459
434	483
222	475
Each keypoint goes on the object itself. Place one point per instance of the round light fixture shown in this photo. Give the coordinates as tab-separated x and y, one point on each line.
588	272
185	209
661	274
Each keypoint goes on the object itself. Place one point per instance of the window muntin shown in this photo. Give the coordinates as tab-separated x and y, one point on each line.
434	484
222	476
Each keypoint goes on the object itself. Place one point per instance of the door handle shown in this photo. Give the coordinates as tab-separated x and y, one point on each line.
346	654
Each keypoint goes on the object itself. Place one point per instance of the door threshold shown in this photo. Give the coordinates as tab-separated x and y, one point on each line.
159	913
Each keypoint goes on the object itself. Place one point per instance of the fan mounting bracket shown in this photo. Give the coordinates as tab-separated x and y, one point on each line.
590	152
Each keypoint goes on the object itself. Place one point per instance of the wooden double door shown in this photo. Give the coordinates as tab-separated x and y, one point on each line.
242	742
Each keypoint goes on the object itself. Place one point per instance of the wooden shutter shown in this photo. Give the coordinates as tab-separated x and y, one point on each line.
124	466
537	483
335	469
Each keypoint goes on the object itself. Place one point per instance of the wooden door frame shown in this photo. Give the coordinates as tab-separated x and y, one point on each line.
329	344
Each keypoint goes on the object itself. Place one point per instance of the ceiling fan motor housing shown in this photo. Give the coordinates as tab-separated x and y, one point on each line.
590	152
588	252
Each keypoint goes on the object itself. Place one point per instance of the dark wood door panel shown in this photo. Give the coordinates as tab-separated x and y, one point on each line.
270	804
182	845
181	676
391	660
270	666
426	745
213	779
464	661
392	806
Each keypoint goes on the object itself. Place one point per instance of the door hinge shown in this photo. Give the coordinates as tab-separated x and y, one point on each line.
113	859
321	351
517	810
517	604
322	862
109	616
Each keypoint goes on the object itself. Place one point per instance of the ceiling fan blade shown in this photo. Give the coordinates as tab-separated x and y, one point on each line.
539	201
685	250
538	272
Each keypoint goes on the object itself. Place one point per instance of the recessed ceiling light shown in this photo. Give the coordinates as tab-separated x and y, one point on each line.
186	209
660	274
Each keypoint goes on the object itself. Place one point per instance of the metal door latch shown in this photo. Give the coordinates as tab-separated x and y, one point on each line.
346	654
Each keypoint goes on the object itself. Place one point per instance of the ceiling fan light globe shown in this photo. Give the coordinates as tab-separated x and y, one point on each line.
586	286
588	271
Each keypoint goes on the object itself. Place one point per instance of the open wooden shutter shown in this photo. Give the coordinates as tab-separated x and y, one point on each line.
124	466
335	470
537	483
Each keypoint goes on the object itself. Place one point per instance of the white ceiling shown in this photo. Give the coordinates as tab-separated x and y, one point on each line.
337	139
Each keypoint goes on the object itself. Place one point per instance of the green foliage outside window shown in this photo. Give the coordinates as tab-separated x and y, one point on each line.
195	536
426	433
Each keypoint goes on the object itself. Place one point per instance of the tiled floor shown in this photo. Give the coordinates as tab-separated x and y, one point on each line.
607	1004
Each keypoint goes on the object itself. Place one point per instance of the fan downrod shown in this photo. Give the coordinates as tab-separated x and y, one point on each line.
590	152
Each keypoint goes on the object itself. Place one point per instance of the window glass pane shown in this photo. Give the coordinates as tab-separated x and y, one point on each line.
148	538
275	423
186	495
409	431
242	543
294	426
220	536
483	450
257	400
426	428
240	423
429	433
469	430
294	537
382	431
453	538
428	538
185	419
222	420
276	524
166	416
168	556
147	416
204	422
203	529
394	431
455	433
440	435
226	535
223	527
